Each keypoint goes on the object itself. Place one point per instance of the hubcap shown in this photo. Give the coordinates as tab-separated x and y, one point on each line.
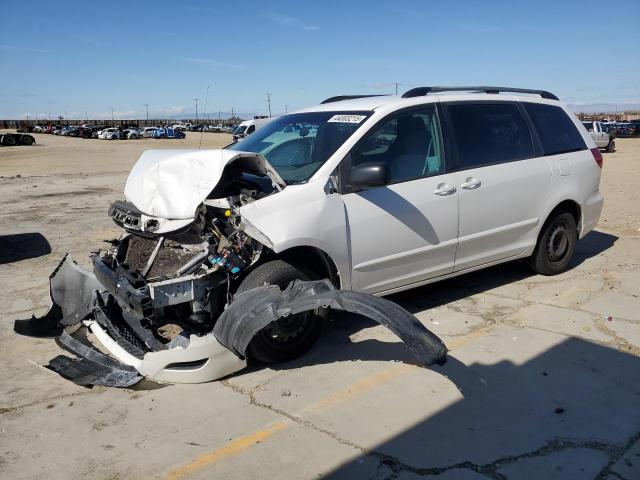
558	244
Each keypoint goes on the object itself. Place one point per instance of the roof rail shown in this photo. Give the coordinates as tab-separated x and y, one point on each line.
347	97
420	91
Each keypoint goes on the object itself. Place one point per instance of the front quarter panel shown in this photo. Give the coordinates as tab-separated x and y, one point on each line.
303	215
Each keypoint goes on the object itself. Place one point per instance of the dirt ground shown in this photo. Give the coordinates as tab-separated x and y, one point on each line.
543	380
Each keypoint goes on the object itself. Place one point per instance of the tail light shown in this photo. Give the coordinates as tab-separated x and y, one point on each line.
597	156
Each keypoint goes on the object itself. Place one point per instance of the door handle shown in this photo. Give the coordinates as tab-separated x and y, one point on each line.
471	184
444	189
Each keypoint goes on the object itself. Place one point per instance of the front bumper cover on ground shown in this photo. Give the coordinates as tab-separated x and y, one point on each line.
107	305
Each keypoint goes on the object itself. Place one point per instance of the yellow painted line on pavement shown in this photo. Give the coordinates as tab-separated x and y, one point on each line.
370	382
232	448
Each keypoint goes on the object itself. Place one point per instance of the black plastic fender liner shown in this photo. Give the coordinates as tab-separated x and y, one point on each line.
254	309
72	293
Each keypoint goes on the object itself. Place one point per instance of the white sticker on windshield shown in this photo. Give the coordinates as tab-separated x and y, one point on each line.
347	118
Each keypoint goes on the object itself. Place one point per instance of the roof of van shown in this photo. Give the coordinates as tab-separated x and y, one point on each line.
374	102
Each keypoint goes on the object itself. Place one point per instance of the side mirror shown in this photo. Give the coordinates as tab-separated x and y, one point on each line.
370	174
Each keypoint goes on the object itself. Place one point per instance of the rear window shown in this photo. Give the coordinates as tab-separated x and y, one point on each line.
557	132
489	133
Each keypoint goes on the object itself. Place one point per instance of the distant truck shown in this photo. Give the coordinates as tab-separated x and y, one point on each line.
13	139
248	127
602	135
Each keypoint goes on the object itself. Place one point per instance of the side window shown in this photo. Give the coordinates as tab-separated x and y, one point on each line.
557	132
408	143
251	129
489	133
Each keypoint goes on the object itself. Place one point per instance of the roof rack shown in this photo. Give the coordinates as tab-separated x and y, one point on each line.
420	91
347	97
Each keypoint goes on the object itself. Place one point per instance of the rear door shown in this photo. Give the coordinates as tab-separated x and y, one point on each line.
406	231
501	177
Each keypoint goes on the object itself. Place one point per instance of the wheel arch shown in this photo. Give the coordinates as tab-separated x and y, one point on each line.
567	205
312	258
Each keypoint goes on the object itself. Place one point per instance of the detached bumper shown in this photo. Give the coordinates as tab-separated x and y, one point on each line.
111	309
123	349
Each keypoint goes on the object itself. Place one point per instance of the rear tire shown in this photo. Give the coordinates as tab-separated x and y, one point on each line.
9	140
556	244
288	337
26	140
611	147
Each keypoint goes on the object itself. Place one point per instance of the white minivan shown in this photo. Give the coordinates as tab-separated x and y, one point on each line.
337	205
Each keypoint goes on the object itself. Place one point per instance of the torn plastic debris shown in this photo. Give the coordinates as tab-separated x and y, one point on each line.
253	310
82	301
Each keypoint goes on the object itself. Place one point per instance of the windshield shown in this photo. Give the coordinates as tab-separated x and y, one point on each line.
298	144
239	130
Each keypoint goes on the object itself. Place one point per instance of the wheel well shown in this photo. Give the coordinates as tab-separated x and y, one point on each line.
568	206
314	259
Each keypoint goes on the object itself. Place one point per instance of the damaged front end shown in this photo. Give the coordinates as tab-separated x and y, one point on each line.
162	304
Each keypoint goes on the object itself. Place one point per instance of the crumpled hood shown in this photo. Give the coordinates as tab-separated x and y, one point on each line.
171	184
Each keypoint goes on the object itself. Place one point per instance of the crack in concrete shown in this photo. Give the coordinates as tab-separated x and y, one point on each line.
4	410
489	470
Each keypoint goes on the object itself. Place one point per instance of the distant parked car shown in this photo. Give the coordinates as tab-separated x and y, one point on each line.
111	133
131	133
69	131
626	129
168	133
148	132
38	129
25	129
182	126
57	129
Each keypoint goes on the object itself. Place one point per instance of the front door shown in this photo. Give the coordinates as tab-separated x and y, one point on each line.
406	231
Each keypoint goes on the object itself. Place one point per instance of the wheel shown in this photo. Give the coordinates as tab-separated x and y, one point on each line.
114	137
556	244
26	140
9	140
611	147
288	337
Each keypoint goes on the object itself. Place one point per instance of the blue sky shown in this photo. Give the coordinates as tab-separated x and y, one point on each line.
93	56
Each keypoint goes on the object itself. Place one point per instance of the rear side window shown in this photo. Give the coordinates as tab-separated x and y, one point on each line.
489	133
557	132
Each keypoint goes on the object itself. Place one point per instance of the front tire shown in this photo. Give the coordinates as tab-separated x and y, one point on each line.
26	140
556	244
291	336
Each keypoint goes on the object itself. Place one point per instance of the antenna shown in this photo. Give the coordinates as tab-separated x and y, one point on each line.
204	114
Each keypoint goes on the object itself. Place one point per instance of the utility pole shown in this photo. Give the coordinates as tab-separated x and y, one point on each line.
112	119
86	116
286	109
146	105
396	84
269	103
196	100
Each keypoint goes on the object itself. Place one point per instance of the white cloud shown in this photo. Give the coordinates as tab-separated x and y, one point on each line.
23	49
211	62
292	22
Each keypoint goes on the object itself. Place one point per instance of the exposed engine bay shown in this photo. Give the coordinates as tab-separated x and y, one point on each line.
163	303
